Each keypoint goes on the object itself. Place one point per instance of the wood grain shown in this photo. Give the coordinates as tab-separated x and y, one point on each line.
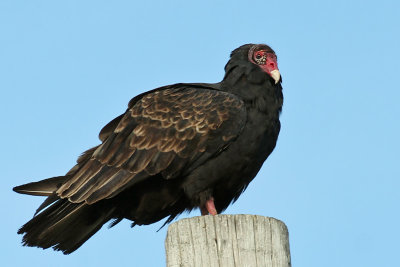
228	240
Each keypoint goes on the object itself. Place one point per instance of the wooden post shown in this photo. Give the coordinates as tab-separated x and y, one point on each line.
227	241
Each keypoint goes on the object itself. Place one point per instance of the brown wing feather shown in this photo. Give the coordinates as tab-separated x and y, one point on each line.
167	131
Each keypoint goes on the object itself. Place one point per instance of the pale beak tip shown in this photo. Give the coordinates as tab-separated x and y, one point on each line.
275	74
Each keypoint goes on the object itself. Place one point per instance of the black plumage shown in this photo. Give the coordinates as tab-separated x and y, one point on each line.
176	148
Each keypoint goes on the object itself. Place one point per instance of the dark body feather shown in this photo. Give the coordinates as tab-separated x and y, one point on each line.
173	149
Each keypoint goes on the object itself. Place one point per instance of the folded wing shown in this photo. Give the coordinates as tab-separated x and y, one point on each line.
169	131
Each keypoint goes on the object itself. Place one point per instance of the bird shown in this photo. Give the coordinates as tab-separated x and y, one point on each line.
176	148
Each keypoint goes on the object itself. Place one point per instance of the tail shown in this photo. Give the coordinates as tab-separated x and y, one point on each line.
44	187
63	225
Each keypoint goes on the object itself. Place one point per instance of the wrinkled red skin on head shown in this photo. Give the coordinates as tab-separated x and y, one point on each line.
270	63
265	59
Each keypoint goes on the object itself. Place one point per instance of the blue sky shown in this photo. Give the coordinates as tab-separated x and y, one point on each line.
69	67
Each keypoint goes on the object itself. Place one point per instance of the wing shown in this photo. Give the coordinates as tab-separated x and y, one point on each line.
169	131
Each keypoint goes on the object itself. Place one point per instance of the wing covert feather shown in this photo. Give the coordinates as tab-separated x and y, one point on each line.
168	131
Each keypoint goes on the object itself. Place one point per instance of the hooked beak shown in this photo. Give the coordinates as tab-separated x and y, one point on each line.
276	75
271	67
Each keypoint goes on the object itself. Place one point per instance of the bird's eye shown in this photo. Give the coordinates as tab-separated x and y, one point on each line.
260	57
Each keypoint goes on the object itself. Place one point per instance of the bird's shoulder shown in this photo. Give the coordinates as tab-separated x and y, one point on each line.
199	101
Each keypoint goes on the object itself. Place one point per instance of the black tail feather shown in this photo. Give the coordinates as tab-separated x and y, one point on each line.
64	225
44	187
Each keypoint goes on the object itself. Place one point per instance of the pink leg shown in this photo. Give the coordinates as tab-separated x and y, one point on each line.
211	207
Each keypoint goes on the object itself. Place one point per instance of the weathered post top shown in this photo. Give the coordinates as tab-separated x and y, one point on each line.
227	241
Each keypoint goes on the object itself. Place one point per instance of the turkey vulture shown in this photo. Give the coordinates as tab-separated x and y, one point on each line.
176	148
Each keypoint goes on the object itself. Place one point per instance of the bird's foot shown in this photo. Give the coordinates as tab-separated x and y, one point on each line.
209	208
